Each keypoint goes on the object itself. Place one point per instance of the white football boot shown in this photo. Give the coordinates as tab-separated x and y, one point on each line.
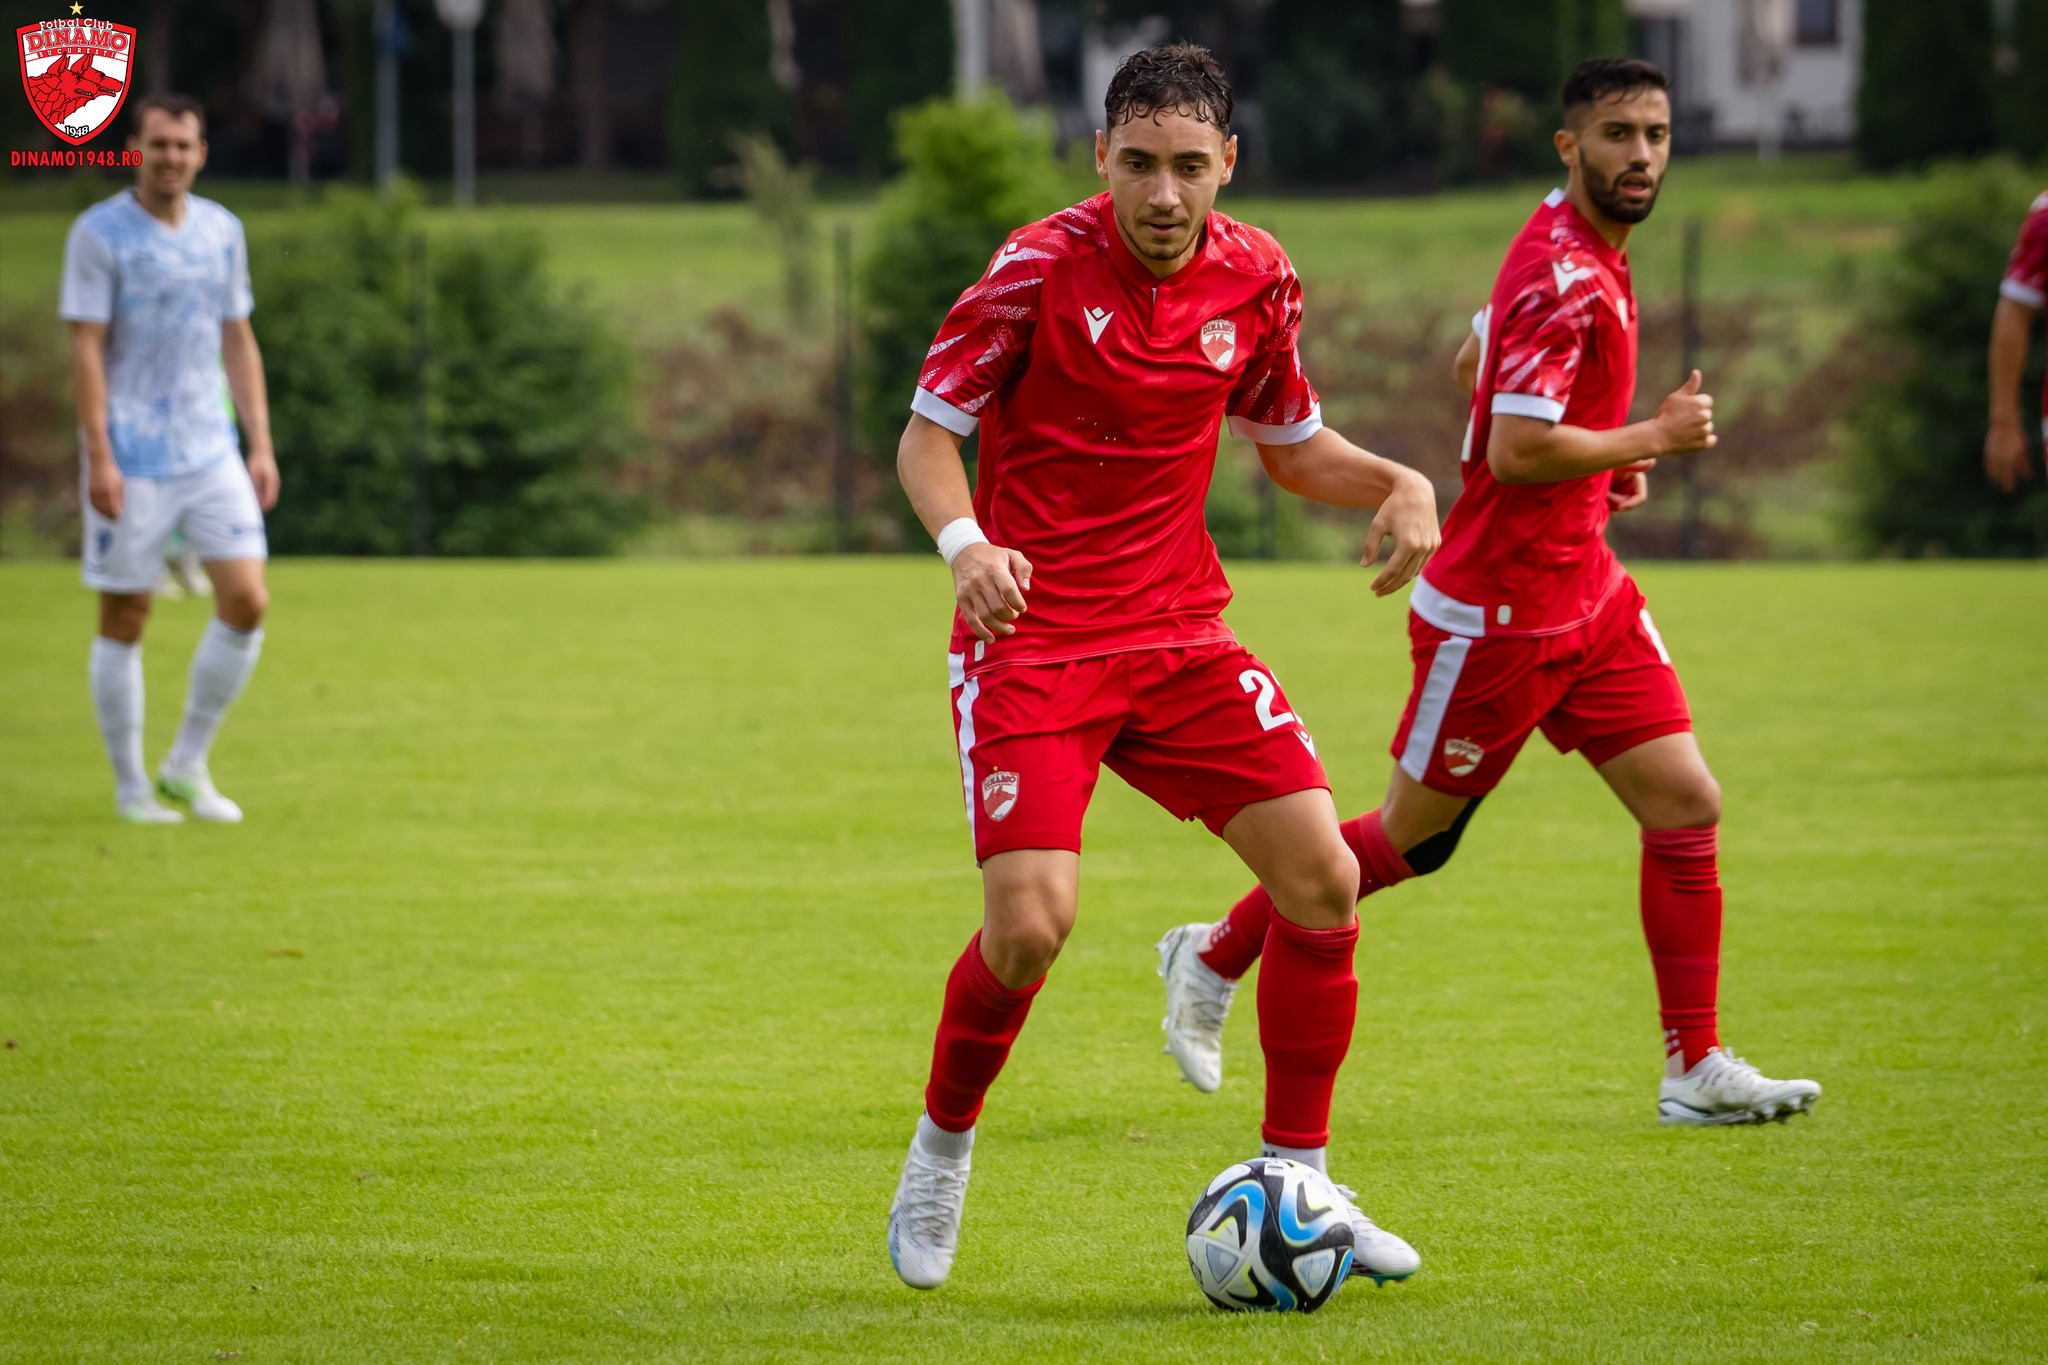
924	1222
145	809
194	786
1376	1254
1724	1089
1197	1003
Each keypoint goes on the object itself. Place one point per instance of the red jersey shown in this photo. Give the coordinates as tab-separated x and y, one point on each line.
1557	342
1100	390
2026	274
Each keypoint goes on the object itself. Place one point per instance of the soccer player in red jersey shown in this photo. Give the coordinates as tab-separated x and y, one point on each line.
1098	357
2019	298
1525	620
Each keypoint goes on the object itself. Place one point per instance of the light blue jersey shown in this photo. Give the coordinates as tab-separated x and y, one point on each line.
163	293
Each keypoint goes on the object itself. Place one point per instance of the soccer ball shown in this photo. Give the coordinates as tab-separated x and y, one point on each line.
1269	1236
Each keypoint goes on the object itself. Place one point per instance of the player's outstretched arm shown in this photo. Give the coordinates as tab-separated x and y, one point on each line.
1329	469
989	582
2005	444
243	360
89	392
1531	450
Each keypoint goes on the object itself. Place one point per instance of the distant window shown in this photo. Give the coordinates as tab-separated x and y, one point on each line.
1818	23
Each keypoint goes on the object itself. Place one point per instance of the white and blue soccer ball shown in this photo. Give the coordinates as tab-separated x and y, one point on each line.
1270	1236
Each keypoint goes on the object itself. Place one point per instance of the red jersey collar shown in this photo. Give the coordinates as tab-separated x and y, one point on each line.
1126	263
1608	255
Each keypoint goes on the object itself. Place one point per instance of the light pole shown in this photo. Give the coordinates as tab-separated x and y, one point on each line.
462	16
970	48
390	38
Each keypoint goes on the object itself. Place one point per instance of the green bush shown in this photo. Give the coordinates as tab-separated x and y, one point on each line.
722	87
526	390
973	174
1919	427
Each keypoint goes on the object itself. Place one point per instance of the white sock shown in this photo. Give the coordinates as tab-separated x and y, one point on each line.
1307	1156
936	1141
220	667
116	673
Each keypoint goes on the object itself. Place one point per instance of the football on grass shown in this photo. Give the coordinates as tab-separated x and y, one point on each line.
1269	1236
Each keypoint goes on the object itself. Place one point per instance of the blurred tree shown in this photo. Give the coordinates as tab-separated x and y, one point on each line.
590	34
1926	88
525	35
1334	103
527	405
973	174
781	196
1528	46
724	85
1919	427
901	55
2021	59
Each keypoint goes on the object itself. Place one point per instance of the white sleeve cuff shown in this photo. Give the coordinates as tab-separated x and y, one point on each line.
1286	434
1529	405
2020	293
933	408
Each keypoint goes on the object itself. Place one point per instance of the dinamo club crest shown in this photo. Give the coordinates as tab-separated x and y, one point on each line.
999	794
75	72
1219	342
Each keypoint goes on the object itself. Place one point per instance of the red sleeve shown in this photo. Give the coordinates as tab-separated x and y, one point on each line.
2026	274
1274	404
985	338
1540	342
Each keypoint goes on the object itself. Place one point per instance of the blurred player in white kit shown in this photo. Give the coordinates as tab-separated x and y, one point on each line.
156	289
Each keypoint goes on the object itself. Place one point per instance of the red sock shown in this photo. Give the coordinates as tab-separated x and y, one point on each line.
977	1024
1682	922
1308	1001
1235	944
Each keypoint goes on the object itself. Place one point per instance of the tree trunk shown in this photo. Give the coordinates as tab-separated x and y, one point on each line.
163	30
590	30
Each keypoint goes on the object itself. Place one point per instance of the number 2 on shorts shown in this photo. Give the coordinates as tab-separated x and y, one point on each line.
1251	680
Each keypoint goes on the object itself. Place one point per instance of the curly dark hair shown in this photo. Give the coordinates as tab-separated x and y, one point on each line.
1596	78
1181	78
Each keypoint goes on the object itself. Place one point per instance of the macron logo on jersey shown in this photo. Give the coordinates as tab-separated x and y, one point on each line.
1568	276
1010	252
1098	318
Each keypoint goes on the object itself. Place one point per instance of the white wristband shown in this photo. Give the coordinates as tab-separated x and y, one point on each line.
957	535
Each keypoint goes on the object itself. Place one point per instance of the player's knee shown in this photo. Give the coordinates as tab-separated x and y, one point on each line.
123	616
244	608
1022	950
1320	892
1434	851
1688	805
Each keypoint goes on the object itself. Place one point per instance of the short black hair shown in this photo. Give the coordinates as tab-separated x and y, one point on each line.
1181	78
177	106
1596	78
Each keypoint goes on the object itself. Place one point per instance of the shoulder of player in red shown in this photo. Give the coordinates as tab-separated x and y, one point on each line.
989	330
2026	273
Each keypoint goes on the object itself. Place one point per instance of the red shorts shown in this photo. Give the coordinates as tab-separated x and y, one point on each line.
1201	729
1604	687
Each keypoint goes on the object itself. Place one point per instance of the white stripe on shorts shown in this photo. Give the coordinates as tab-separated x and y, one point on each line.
1437	688
1655	638
970	688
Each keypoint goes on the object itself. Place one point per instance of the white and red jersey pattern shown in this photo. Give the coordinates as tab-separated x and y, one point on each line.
1099	391
1557	343
2026	274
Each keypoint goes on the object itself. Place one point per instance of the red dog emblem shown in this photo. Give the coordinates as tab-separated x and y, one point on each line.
999	794
75	72
1219	342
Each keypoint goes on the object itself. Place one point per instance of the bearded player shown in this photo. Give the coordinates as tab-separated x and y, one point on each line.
2020	296
156	289
1098	357
1527	621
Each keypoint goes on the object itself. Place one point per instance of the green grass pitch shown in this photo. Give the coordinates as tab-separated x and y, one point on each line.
568	993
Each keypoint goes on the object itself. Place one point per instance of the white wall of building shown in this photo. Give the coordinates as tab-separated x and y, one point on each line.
1815	102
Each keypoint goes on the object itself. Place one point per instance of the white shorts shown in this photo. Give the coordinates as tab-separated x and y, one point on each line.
215	507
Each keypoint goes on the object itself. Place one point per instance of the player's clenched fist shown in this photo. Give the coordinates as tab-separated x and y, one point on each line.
1687	418
989	583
